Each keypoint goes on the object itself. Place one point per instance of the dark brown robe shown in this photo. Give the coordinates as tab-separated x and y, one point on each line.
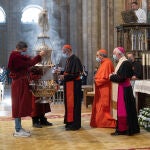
20	94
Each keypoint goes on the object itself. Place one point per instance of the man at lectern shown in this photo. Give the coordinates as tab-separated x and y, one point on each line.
140	13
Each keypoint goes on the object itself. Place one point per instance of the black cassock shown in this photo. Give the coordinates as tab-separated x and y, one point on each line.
72	92
122	76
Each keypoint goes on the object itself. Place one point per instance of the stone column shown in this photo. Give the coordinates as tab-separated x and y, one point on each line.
65	30
110	27
13	24
76	26
86	17
91	34
118	7
104	24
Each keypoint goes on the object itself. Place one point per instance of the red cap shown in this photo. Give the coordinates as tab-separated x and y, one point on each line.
67	46
102	51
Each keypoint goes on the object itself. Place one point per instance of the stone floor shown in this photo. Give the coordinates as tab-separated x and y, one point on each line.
56	138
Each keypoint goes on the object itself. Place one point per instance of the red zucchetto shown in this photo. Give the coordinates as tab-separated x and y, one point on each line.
67	46
102	51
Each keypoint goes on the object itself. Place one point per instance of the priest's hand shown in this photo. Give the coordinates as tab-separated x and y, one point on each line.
111	74
57	70
61	77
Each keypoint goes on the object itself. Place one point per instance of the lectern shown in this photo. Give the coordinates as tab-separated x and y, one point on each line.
135	37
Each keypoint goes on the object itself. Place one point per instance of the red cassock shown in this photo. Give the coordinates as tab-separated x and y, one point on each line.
20	94
101	108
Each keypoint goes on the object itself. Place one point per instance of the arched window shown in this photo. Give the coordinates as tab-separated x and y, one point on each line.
30	14
2	15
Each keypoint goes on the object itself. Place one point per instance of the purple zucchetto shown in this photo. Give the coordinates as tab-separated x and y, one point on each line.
121	49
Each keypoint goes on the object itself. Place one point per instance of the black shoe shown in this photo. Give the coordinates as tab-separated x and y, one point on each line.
116	133
71	129
46	123
36	122
36	125
68	126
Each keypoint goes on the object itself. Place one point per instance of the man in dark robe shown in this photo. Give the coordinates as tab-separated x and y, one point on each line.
38	109
127	121
72	89
21	96
136	67
38	113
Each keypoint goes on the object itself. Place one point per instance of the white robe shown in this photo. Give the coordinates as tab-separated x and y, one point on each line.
141	15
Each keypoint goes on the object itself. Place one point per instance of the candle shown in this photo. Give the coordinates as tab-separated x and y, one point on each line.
139	41
147	67
135	44
145	39
146	59
142	42
143	63
132	42
149	59
143	59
